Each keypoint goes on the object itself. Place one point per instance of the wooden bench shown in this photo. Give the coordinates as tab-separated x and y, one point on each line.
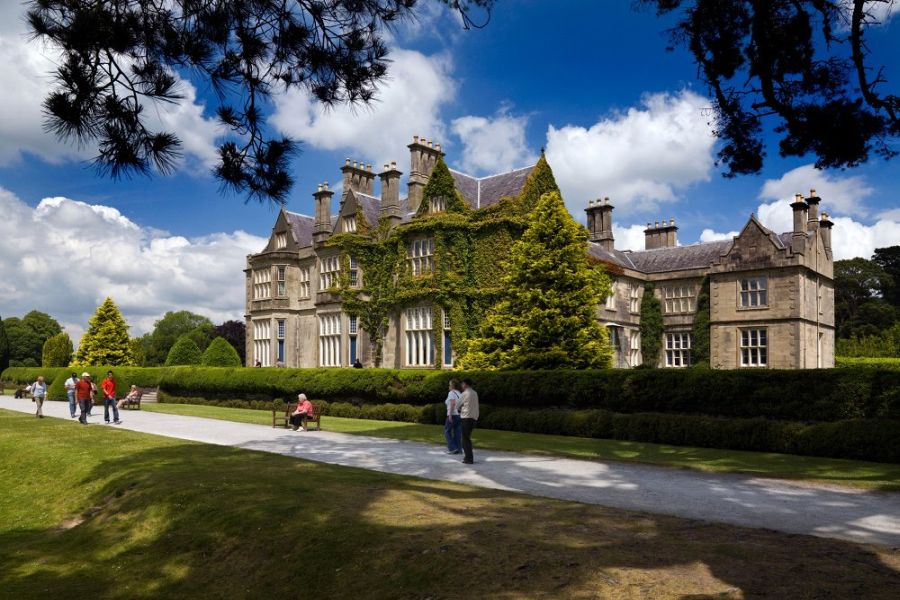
144	395
283	417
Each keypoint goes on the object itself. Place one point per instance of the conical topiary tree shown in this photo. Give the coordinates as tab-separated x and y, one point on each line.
545	318
184	352
651	327
220	353
57	351
700	331
106	340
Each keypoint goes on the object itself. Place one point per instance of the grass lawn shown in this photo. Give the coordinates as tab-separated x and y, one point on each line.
786	466
96	512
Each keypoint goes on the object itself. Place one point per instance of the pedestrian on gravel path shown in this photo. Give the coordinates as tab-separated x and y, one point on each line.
468	412
453	424
84	391
38	395
109	398
70	384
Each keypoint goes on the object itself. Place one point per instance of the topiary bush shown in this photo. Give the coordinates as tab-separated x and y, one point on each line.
220	353
184	352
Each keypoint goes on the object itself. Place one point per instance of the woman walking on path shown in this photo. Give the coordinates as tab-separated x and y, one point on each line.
38	394
453	424
468	411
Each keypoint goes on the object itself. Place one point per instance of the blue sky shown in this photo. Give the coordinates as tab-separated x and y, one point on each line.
590	81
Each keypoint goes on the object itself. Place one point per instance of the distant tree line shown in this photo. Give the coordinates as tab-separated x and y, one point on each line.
867	304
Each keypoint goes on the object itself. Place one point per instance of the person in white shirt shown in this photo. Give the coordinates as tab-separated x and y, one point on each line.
453	424
468	412
71	382
38	394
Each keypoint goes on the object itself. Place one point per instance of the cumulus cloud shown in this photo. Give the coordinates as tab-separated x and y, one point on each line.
26	69
629	238
708	235
842	198
640	157
493	144
408	102
64	257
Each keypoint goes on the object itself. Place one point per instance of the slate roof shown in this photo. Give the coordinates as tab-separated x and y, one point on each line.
371	207
301	227
485	191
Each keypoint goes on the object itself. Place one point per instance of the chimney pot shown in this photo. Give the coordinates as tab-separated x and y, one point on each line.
812	192
347	161
671	221
393	164
415	139
438	147
657	224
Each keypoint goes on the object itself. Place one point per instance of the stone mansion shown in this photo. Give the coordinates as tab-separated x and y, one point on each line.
771	294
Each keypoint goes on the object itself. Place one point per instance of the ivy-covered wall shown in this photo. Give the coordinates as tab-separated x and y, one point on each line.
469	246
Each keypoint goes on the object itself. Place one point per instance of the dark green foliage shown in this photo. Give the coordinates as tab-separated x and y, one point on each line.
235	333
800	68
169	328
441	185
57	351
889	261
545	316
26	337
700	331
106	340
184	352
540	181
220	353
4	347
859	309
652	328
138	349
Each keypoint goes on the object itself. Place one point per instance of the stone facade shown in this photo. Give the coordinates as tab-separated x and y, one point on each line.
772	295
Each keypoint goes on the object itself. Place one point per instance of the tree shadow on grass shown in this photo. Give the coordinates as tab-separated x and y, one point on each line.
202	521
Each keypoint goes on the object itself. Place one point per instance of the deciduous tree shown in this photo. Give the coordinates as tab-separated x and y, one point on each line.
169	328
57	351
235	333
4	347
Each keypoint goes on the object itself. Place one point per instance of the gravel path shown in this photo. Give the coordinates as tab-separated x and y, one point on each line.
826	511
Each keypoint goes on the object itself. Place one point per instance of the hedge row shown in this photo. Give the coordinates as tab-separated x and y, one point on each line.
861	439
800	395
851	361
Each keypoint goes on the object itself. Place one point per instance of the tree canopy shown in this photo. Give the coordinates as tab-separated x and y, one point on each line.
57	351
167	330
804	65
121	57
106	340
4	347
545	317
235	333
26	337
860	308
220	354
184	352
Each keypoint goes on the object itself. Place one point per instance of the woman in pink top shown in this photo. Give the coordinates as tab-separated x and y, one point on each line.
301	413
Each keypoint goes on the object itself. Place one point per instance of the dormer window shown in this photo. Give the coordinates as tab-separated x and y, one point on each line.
437	205
350	224
280	241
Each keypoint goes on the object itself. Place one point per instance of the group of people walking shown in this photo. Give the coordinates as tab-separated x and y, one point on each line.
81	392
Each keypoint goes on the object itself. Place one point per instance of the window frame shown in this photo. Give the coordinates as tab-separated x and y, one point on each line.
753	350
418	328
750	292
420	256
678	346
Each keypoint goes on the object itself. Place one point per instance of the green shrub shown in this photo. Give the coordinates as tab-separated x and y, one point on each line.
220	353
184	352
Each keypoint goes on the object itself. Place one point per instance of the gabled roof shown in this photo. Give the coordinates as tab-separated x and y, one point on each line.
301	227
370	207
485	191
678	258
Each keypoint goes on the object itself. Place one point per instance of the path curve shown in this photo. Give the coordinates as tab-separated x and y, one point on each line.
794	507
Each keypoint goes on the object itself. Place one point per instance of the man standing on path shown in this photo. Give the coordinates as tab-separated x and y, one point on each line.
83	391
109	398
38	393
468	412
71	382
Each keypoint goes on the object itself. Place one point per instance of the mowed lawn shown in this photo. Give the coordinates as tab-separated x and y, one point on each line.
99	512
829	470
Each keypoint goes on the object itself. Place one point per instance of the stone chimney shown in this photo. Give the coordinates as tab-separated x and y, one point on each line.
798	237
358	177
812	222
661	235
322	228
423	156
825	226
390	193
599	223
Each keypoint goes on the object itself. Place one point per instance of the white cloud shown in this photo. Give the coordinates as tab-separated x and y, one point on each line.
639	158
842	194
494	144
408	102
880	12
64	257
26	69
629	238
708	235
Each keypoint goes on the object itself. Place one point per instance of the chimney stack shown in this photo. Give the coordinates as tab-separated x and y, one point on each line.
825	226
798	237
390	193
599	223
358	177
423	156
812	222
661	235
322	228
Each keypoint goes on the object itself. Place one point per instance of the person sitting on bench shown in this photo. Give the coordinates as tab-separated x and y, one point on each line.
303	411
132	396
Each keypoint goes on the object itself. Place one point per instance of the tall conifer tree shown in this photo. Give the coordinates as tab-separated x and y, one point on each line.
106	341
651	327
546	316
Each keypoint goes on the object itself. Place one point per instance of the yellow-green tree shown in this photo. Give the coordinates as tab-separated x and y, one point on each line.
57	351
545	318
106	340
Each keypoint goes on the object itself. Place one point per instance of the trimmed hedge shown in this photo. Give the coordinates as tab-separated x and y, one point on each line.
800	395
